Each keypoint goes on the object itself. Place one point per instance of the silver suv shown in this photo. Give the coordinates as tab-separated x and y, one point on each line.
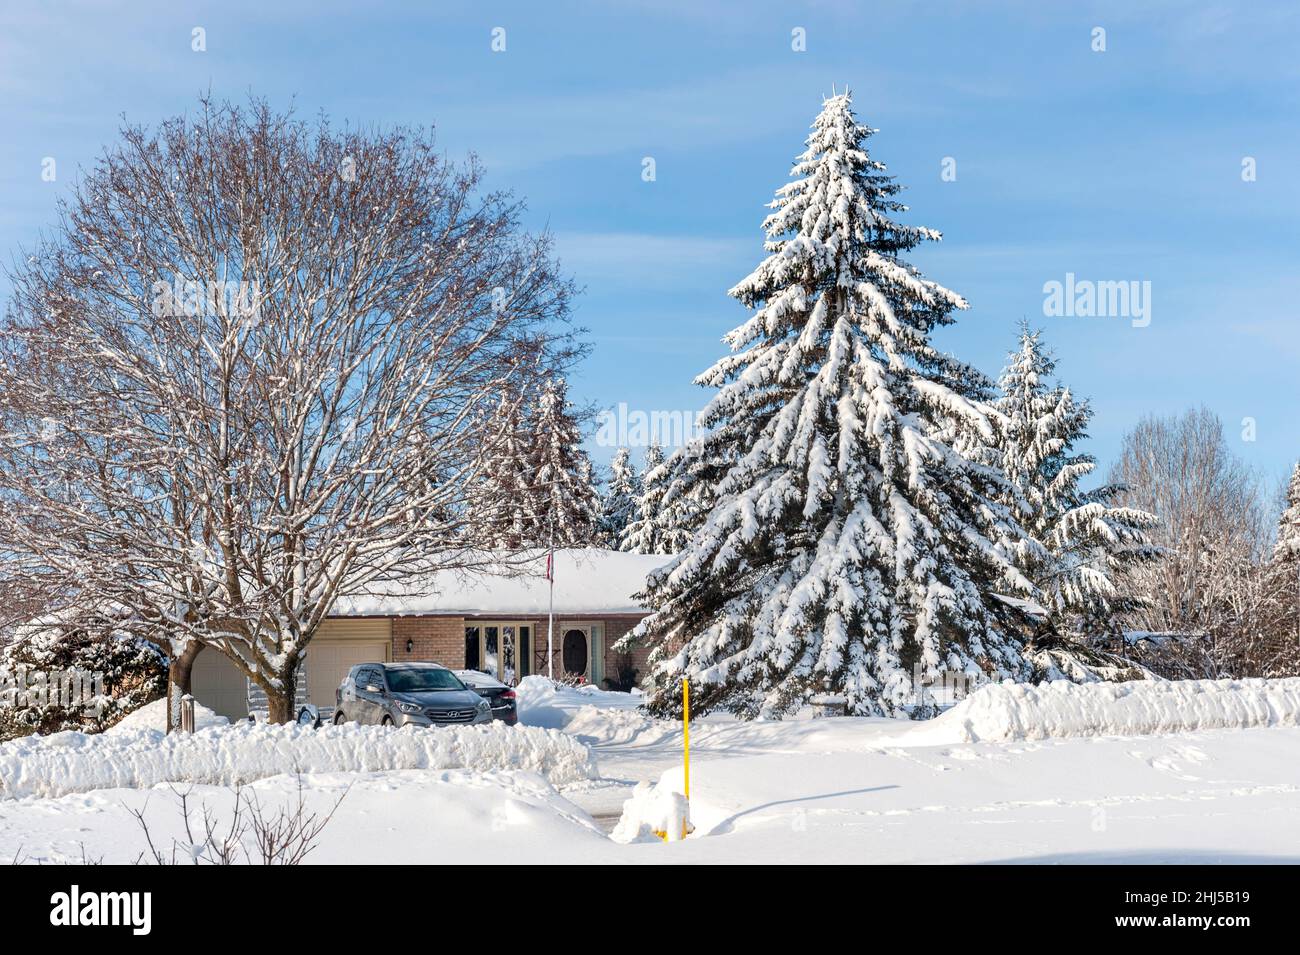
407	694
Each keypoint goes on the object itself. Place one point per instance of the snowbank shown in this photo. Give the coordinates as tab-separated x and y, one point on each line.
1018	711
153	716
77	762
654	809
543	702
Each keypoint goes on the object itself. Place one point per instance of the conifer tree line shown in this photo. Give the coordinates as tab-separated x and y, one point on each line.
538	488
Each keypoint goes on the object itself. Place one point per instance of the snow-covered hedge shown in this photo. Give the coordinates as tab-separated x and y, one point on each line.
76	762
1009	711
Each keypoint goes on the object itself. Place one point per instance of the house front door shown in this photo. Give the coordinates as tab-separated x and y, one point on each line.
573	653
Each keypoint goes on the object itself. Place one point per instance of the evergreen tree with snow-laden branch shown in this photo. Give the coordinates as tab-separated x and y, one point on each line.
848	546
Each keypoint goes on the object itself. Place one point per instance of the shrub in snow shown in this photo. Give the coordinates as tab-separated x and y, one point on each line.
552	703
66	678
1008	711
623	674
77	762
1055	658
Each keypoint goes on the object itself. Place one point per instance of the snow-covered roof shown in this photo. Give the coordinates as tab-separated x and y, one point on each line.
588	580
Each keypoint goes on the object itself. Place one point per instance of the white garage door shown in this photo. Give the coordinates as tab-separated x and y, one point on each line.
218	685
329	660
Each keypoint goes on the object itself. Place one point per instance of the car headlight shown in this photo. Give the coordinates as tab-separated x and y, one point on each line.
484	706
408	707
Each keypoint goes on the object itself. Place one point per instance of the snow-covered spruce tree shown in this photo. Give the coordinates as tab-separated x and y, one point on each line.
1281	655
1287	547
643	532
848	544
1089	541
504	507
688	483
618	504
569	508
654	528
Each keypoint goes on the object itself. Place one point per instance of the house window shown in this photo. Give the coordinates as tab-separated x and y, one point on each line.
500	648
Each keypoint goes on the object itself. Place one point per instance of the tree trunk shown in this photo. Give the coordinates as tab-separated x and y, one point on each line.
280	700
179	669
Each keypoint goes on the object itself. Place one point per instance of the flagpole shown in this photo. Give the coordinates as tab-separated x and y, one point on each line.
550	613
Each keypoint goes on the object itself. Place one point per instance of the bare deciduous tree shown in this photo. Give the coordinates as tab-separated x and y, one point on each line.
247	373
1215	528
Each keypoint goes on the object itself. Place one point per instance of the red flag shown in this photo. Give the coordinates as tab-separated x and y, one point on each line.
550	568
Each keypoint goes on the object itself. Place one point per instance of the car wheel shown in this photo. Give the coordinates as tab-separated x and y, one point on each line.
339	718
386	721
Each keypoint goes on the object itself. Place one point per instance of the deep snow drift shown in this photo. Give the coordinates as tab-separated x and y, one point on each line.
999	711
227	755
1018	711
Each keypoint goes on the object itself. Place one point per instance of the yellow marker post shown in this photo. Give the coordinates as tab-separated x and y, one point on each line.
686	735
687	828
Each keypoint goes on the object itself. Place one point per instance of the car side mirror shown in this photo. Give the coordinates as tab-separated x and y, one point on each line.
374	688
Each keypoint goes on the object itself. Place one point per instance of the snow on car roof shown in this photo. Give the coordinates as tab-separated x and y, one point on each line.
588	580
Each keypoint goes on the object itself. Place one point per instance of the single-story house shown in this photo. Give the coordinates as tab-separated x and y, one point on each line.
490	622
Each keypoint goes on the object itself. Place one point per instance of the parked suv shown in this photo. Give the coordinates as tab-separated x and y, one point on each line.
407	694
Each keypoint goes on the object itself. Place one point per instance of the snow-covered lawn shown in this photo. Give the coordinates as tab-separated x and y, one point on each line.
859	790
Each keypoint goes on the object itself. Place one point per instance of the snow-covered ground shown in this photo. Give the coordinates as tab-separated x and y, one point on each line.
831	790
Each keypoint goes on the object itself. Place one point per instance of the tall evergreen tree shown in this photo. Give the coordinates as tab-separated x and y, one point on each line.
1087	540
1287	547
569	508
618	504
645	534
848	544
1282	584
505	506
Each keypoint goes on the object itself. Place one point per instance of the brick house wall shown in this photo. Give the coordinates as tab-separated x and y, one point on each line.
442	640
433	639
615	630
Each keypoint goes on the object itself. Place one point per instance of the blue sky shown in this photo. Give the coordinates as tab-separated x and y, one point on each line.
1116	165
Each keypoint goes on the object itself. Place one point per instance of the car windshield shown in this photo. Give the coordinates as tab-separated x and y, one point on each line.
414	681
